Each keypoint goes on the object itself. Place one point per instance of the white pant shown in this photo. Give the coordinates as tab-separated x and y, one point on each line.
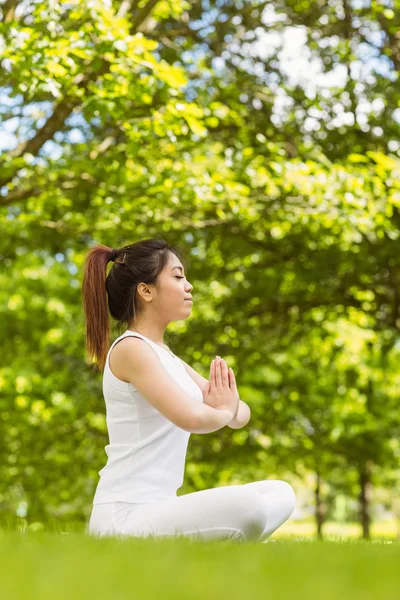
251	511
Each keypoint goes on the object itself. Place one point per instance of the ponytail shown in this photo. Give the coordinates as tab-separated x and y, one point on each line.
94	297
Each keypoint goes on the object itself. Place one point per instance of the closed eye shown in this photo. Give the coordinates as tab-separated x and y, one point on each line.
177	277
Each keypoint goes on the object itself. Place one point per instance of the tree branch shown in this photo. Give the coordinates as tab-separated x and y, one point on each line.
19	194
68	103
8	10
144	13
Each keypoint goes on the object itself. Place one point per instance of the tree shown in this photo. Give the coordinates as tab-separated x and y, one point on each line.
127	128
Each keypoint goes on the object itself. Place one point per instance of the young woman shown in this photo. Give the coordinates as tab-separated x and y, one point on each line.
154	401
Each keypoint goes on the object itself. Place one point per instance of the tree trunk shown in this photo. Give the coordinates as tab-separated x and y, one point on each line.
319	507
365	499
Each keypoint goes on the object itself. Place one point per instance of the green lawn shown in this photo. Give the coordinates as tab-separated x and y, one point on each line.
70	566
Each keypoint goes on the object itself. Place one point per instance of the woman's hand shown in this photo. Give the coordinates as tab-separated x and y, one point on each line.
221	391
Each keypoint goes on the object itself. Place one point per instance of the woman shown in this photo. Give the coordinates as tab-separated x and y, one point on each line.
154	401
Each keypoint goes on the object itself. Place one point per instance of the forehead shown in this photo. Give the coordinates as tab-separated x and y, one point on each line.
175	264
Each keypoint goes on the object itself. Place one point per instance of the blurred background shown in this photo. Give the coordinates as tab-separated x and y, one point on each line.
263	137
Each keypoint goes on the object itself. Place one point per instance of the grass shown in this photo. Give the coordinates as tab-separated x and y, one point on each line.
305	528
47	565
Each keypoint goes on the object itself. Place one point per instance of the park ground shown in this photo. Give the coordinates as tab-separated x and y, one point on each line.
64	565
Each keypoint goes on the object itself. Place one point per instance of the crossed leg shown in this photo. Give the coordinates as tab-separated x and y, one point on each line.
280	502
250	511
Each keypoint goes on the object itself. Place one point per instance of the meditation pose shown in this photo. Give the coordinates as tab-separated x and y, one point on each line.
154	401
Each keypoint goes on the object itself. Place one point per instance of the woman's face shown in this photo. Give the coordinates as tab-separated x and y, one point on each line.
169	300
175	291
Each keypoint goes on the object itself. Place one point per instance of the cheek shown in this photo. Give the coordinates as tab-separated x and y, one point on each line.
175	288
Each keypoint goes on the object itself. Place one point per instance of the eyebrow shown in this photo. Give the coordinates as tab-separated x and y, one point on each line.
176	267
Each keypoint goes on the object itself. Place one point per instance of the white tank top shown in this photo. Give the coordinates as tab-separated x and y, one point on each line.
146	451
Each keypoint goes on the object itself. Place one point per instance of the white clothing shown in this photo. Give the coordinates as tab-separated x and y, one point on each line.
146	451
136	495
251	511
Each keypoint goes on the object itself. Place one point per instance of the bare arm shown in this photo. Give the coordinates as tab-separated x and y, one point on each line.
244	413
141	366
242	417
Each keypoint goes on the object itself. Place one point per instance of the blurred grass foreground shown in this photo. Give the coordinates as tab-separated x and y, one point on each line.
77	566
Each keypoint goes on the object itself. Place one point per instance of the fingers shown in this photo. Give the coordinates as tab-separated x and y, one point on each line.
218	377
221	375
212	375
232	380
224	374
221	372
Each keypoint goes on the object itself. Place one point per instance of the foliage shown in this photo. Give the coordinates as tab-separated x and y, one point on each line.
137	119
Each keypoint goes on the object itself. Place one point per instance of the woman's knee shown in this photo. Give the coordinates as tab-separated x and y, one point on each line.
253	514
288	497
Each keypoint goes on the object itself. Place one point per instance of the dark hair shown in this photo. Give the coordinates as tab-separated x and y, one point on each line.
142	261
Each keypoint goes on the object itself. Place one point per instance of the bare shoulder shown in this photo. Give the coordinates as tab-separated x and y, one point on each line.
130	353
139	364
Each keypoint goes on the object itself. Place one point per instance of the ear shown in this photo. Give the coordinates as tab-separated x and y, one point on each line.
144	290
